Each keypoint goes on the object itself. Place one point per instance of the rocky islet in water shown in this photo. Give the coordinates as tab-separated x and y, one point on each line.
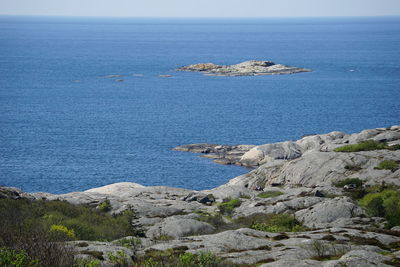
247	68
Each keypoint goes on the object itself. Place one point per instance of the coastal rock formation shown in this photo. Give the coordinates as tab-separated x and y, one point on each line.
247	68
294	178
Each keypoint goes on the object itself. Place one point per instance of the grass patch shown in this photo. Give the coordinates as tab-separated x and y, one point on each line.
274	223
62	218
388	165
269	194
367	145
383	204
180	258
228	206
105	205
11	257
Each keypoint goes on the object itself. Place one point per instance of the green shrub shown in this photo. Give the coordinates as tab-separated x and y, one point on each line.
12	258
85	222
180	258
228	206
205	259
277	223
363	146
87	263
349	181
383	204
104	206
119	258
388	165
60	232
269	194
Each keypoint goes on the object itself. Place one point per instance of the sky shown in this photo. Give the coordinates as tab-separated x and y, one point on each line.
201	8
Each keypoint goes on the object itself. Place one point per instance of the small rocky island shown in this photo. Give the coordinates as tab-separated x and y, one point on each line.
324	200
247	68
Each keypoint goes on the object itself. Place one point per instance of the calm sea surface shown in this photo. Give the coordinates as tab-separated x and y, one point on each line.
65	127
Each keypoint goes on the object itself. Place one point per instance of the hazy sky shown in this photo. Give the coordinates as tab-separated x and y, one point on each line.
202	8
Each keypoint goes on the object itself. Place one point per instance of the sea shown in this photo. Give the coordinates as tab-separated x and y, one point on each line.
67	125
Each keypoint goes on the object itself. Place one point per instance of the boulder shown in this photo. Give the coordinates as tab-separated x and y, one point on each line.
331	212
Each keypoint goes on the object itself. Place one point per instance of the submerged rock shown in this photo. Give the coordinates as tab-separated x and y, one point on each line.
247	68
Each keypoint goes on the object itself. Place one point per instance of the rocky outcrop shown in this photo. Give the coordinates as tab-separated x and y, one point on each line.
253	156
247	68
222	154
295	177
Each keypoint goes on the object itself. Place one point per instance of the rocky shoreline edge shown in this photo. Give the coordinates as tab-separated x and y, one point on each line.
305	203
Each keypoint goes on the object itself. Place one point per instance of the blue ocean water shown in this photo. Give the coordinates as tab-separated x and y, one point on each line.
65	127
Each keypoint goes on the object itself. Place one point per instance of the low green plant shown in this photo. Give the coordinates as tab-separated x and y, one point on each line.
278	223
269	194
388	165
205	259
228	206
119	258
87	263
61	232
80	221
349	181
12	258
104	206
363	146
383	204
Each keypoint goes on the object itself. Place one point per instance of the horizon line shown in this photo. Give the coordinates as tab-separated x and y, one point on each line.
198	17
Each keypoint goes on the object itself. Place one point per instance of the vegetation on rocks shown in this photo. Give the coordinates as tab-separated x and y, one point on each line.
388	165
178	257
269	194
383	204
32	227
11	257
229	205
367	145
277	223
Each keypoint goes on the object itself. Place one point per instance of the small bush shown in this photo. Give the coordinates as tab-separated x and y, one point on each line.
87	263
383	204
119	258
349	181
388	165
278	223
60	232
205	259
180	258
104	206
269	194
363	146
228	206
13	258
